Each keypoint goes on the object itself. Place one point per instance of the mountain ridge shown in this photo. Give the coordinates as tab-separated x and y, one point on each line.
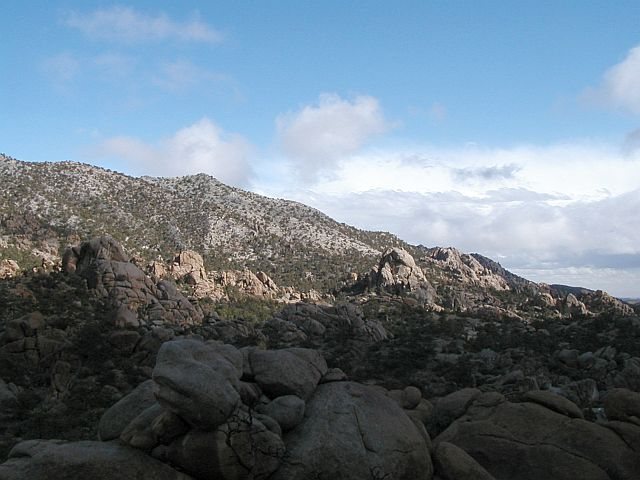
231	227
46	207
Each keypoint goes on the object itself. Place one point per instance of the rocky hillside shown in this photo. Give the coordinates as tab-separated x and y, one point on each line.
239	240
46	206
438	367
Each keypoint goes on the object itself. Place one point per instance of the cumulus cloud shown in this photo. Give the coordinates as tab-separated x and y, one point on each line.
619	86
126	25
199	148
317	136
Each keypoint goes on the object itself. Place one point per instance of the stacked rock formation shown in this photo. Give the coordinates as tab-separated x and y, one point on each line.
27	340
188	267
213	411
465	268
397	269
396	273
109	271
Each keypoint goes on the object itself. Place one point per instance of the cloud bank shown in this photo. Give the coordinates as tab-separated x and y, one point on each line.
544	212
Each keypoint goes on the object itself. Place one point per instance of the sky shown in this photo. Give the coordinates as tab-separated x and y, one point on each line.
507	128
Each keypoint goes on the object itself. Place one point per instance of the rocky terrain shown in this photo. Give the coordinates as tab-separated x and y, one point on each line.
136	355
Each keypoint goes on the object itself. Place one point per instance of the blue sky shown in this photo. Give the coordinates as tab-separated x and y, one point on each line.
507	128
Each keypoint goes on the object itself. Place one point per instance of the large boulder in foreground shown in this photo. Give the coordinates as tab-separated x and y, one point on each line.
118	416
242	448
528	441
453	463
198	381
56	459
624	405
290	371
215	412
355	432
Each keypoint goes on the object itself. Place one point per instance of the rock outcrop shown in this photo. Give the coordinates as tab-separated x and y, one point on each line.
292	371
214	411
352	431
116	419
397	271
188	267
56	459
108	271
623	405
466	268
198	381
257	284
453	463
572	307
8	268
28	340
8	399
398	274
547	444
600	301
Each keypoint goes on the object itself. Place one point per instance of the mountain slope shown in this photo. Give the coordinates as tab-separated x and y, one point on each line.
62	202
44	207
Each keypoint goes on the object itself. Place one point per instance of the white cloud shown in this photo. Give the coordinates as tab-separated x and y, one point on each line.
199	148
317	136
531	208
124	24
620	84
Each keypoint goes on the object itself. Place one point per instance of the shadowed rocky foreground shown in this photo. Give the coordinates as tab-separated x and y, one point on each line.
215	411
109	371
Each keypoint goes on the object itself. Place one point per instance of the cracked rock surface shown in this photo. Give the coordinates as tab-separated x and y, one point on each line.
528	441
352	431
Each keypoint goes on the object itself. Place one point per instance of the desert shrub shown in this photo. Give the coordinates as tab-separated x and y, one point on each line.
244	307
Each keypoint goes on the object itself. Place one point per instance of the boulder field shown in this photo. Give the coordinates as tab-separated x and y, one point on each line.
213	411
